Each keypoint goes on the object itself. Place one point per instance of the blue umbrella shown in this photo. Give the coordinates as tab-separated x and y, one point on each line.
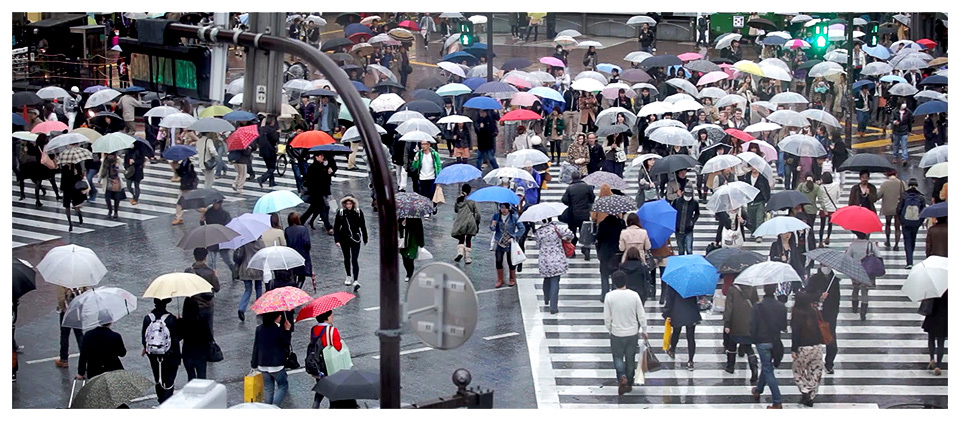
608	68
18	120
95	88
356	28
691	275
495	194
516	63
179	152
474	82
494	87
276	201
868	83
483	103
660	221
458	173
132	89
459	56
239	116
878	51
773	40
892	79
360	86
548	93
936	211
319	92
934	80
931	107
477	50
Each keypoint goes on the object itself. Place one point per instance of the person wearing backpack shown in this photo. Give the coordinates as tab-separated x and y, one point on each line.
188	182
314	364
271	345
911	204
161	345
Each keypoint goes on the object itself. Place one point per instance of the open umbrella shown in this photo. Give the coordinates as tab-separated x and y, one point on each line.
112	389
821	116
51	93
400	117
276	201
520	115
483	103
276	257
71	266
802	145
309	139
939	170
934	156
280	299
386	102
767	273
493	177
715	133
349	384
779	225
731	196
857	218
520	158
200	198
49	127
422	106
866	162
74	155
928	279
720	162
839	261
612	129
177	284
786	199
100	97
250	226
242	137
659	218
599	178
335	44
609	116
113	142
495	194
541	211
731	99
324	304
614	205
418	124
458	173
931	107
672	164
413	205
177	121
453	89
729	260
214	111
239	116
674	136
98	307
207	235
665	60
179	152
24	278
690	275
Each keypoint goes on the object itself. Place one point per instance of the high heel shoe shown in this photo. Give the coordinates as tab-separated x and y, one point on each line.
79	217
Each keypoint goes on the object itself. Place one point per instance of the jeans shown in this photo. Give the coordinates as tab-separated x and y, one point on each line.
862	118
65	339
245	299
900	145
274	395
910	241
488	156
427	188
780	165
299	170
225	256
685	243
536	32
221	167
551	291
195	368
767	377
624	349
93	189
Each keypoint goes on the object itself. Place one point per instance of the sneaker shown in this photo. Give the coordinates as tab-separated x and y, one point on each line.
908	267
356	286
829	370
348	281
690	366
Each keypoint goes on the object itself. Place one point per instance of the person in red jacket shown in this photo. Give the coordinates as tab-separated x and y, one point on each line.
319	332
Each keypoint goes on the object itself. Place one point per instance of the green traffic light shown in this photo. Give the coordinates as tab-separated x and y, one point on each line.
821	41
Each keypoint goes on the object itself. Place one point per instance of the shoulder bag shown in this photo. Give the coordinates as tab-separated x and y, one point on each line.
214	354
333	359
732	237
825	332
568	248
873	264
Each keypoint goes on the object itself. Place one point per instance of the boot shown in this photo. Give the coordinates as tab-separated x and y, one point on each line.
513	278
467	259
855	306
519	268
863	311
753	369
499	279
79	217
731	359
586	254
460	253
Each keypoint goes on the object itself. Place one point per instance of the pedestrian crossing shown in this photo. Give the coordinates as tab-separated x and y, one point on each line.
881	361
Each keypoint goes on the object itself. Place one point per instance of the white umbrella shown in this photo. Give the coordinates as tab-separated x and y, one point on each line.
779	225
609	116
757	105
276	257
418	124
659	124
826	68
838	56
757	162
573	33
876	68
934	156
939	170
353	133
675	136
417	137
640	86
637	56
317	20
178	121
452	68
859	22
298	85
788	118
655	108
402	116
767	273
762	126
53	92
236	100
383	70
71	266
773	61
591	44
587	85
811	22
640	20
452	119
725	40
821	116
478	19
454	15
101	97
98	307
493	177
613	90
545	77
774	72
565	41
597	76
731	196
720	162
481	71
687	105
673	99
801	19
23	135
161	111
903	89
386	102
235	86
520	158
642	158
685	85
731	99
802	145
211	125
928	279
61	141
712	92
928	94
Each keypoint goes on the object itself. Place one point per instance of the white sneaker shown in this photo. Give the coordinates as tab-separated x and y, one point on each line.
348	281
356	286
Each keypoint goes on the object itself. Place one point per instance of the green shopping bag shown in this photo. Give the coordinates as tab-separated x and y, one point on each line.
336	360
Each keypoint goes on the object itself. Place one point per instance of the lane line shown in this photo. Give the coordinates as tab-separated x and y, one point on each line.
43	360
501	336
409	351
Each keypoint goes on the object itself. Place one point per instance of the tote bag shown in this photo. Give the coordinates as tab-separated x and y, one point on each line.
516	254
336	360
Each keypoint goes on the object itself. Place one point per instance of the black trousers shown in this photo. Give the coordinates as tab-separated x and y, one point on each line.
408	265
196	368
271	168
466	240
691	339
165	374
318	208
351	254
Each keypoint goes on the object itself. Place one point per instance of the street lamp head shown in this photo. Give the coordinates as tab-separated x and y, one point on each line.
462	378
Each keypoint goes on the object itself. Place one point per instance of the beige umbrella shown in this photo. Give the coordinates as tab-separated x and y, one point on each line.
88	132
177	284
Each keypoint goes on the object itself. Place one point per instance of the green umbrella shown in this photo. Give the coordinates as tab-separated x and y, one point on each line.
113	142
112	389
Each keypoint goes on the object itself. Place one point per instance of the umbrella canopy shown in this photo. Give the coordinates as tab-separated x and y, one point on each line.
857	218
934	80
24	278
178	121
483	103
704	66
724	40
587	85
902	89
520	158
214	111
98	307
720	162
684	85
454	118
614	205
386	102
929	94
672	164
349	384
49	127
637	56
788	118
413	205
400	117
612	130
520	114
786	199
866	162
840	262
29	137
640	20
739	134
934	156
826	68
52	92
931	107
179	152
731	196
250	226
779	225
418	124
821	116
309	139
452	68
731	99
939	170
417	136
609	116
665	60
675	136
335	44
928	279
71	266
938	210
99	98
767	273
730	260
200	198
177	284
659	218
280	299
324	304
690	275
239	116
493	177
459	173
73	155
276	201
275	257
599	178
242	137
112	389
789	98
802	145
423	107
453	89
643	158
331	149
715	133
516	63
762	126
539	212
207	235
211	125
549	93
495	194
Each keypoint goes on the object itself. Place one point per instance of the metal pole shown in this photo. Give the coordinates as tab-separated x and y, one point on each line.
848	132
218	61
489	47
383	186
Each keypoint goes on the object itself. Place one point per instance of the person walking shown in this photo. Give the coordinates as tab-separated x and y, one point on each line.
466	224
688	212
634	236
861	103
207	157
506	230
322	335
937	238
579	200
858	249
890	192
188	182
161	345
128	105
249	276
638	274
935	324
112	185
683	314
298	238
578	153
831	192
626	321
768	320
197	336
271	345
553	131
136	159
608	243
460	138
805	349
349	228
902	123
411	231
267	145
552	262
645	38
864	194
485	127
216	214
204	301
909	206
319	176
70	175
427	165
101	352
826	285
274	236
737	312
241	160
755	209
64	297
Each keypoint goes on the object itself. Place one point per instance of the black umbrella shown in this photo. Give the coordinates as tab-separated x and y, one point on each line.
721	61
612	129
334	44
866	162
427	95
387	84
422	107
28	99
936	211
350	66
345	19
665	60
200	198
786	199
635	75
207	235
516	63
116	122
761	23
319	92
342	57
808	64
332	149
24	278
429	83
672	164
729	260
144	146
349	384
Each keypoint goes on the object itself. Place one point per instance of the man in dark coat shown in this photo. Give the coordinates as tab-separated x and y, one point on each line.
688	212
826	285
769	318
164	365
216	214
579	199
486	129
267	143
204	301
319	176
101	352
608	244
596	154
864	194
271	344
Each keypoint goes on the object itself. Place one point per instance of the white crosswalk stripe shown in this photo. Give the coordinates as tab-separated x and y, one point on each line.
880	360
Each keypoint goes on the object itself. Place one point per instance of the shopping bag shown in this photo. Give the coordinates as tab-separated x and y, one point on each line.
638	378
253	387
424	254
667	332
516	254
438	196
719	301
336	360
648	360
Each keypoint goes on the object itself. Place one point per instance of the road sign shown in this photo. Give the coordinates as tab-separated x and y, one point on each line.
738	21
261	94
441	306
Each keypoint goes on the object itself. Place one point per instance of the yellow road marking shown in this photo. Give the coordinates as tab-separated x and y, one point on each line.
422	64
884	142
331	32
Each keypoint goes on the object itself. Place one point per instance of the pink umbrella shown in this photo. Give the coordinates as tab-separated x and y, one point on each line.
551	61
523	99
49	126
728	69
689	57
712	77
280	299
517	81
766	149
796	43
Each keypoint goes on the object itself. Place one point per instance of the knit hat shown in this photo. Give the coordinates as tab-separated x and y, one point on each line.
913	182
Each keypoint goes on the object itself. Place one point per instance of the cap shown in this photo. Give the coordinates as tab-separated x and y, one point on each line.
688	190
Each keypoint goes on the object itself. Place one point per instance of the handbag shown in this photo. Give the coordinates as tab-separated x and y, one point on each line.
129	171
81	186
872	264
438	196
291	363
214	354
47	162
649	362
516	254
333	359
424	254
926	307
210	163
568	248
587	234
825	332
667	333
732	237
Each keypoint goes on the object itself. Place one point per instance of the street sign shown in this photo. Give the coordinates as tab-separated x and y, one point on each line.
261	94
738	21
441	306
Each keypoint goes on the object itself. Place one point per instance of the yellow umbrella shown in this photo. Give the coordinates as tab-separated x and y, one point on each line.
748	66
215	111
89	133
536	15
177	284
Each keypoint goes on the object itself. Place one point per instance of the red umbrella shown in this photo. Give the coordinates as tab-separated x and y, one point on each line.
310	139
49	126
929	43
857	218
740	134
242	138
409	24
359	37
519	115
324	304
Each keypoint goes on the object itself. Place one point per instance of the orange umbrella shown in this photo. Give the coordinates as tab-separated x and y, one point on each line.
310	139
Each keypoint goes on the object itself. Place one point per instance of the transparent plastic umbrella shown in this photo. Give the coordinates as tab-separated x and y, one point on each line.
934	156
98	307
928	279
675	98
400	117
720	162
659	124
675	136
418	124
276	257
493	177
353	133
821	116
788	118
684	85
763	126
539	212
779	225
609	116
101	97
655	108
731	196
767	273
731	99
519	158
789	98
802	145
903	89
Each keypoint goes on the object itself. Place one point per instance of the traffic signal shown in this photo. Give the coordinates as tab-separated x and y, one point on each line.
818	44
467	37
873	34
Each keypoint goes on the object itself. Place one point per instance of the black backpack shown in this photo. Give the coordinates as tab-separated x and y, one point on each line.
313	362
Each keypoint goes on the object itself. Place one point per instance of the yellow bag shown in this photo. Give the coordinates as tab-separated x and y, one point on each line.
253	387
667	332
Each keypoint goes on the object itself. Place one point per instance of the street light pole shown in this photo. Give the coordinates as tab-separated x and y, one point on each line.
848	132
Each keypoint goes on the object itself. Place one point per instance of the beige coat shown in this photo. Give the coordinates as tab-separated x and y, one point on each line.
634	236
273	237
889	193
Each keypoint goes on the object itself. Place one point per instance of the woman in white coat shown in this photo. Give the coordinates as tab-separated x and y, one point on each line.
552	260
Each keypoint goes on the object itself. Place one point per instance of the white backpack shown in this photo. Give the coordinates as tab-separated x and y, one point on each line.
157	335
